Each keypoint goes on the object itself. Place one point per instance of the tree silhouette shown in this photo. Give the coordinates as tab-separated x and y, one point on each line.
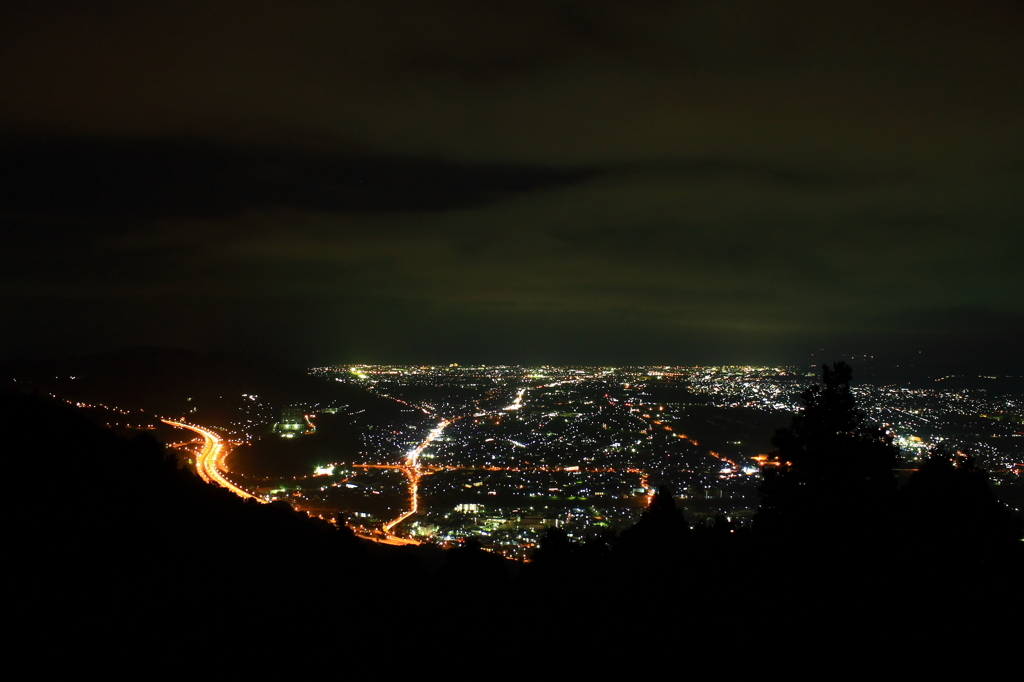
833	471
662	533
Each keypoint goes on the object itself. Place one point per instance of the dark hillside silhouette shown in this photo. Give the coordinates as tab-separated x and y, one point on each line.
111	525
161	381
950	515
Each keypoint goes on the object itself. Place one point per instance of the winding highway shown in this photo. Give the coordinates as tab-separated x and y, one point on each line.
210	460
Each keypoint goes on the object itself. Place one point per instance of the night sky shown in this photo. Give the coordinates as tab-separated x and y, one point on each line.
515	182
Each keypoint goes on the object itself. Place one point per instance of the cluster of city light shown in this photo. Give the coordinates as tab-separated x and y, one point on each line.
526	437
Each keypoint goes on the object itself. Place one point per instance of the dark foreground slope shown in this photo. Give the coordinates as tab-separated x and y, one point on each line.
111	536
106	525
206	387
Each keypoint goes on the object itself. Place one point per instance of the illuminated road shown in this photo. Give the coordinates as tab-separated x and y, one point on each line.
413	472
210	460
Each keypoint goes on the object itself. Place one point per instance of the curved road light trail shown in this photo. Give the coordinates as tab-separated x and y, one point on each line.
210	461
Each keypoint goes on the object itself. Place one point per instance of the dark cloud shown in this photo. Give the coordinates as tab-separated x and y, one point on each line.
655	181
110	178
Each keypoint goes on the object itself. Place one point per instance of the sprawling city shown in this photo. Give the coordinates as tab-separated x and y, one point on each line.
503	453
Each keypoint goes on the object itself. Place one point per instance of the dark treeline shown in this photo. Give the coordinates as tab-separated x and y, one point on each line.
113	525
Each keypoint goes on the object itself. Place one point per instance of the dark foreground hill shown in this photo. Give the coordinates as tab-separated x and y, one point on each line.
207	387
109	525
109	530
